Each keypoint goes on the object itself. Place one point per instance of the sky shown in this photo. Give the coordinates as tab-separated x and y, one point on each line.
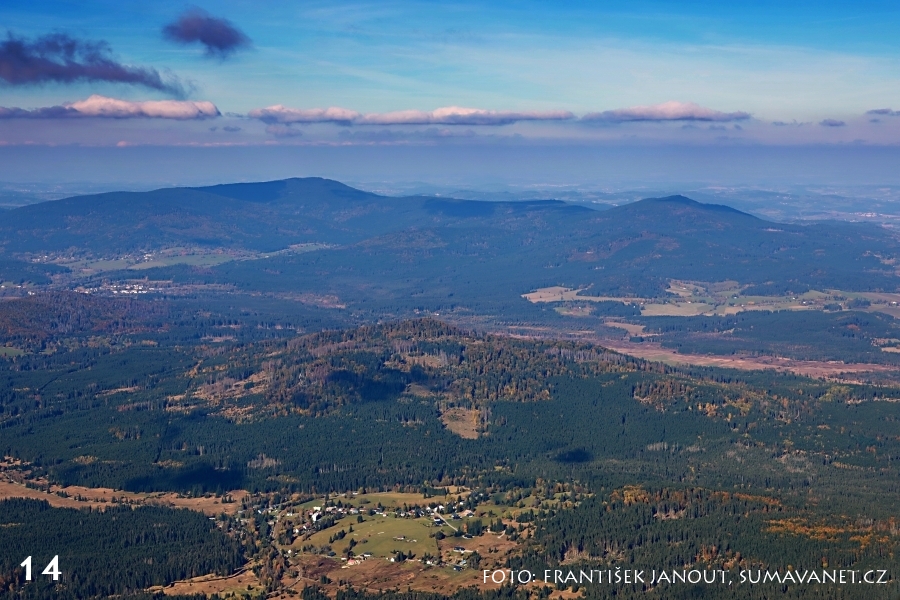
446	91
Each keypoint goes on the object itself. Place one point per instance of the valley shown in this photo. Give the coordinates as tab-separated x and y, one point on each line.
345	395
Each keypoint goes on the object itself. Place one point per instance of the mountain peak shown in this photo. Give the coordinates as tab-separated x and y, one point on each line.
684	201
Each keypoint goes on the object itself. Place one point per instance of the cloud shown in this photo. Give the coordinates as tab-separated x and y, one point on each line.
831	123
231	129
884	111
219	36
60	58
451	115
113	108
667	111
455	115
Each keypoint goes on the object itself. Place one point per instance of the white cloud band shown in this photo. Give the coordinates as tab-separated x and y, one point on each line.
450	115
98	106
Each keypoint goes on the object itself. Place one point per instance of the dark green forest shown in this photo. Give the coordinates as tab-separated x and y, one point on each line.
337	369
120	550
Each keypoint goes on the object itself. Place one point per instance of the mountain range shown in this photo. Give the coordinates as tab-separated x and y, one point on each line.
380	241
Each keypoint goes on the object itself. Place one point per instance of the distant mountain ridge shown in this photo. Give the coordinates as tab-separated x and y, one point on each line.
630	249
259	216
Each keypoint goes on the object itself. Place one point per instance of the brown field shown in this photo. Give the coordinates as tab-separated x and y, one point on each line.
92	497
463	422
809	368
380	574
630	328
213	584
563	294
695	298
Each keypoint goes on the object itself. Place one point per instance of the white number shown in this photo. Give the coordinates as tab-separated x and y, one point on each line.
27	564
52	568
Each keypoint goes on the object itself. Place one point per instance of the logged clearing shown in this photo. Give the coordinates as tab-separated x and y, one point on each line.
463	422
75	496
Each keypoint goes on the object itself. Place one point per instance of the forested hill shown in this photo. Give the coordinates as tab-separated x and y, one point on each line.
455	245
256	216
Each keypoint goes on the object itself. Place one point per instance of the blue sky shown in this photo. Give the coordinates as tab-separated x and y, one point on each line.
695	74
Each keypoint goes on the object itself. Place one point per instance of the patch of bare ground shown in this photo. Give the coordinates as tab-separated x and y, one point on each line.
228	388
418	390
12	485
240	583
630	328
379	574
463	422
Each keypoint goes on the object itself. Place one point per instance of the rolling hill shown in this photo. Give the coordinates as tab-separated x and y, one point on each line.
404	246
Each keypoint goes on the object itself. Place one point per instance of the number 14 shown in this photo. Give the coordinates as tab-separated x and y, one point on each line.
51	569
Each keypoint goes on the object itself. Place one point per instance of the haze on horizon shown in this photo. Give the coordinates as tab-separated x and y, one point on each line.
473	93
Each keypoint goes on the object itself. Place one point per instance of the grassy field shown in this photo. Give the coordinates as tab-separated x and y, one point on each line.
8	351
563	294
382	537
695	298
687	308
197	257
194	260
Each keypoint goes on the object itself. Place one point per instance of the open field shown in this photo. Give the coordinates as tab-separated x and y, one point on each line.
242	582
380	574
676	309
9	351
819	369
693	298
196	257
83	497
194	260
563	294
382	537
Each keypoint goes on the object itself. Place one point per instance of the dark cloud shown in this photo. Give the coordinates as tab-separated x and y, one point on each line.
831	123
60	58
884	111
231	129
219	36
